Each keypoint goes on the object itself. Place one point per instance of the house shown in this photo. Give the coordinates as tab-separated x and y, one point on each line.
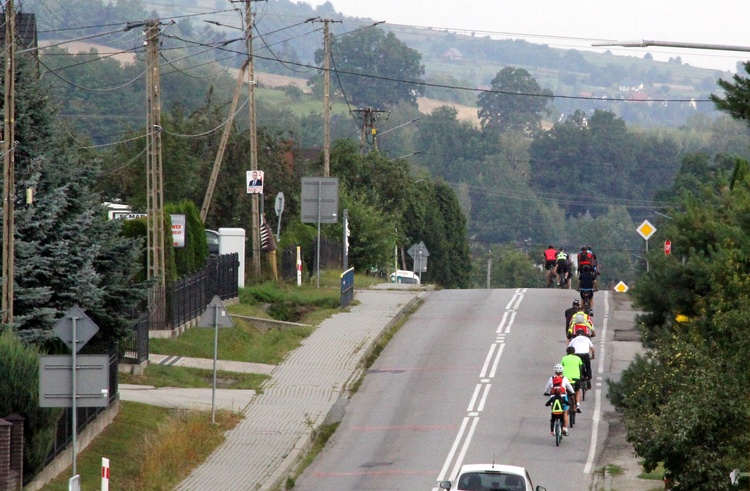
631	86
453	54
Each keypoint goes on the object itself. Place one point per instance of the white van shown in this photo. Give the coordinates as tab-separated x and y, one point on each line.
405	277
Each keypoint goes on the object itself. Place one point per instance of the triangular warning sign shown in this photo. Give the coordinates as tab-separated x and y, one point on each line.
215	315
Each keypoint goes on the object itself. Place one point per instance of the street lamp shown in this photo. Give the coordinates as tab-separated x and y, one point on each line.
672	44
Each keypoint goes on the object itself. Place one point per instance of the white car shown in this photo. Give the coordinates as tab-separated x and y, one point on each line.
492	477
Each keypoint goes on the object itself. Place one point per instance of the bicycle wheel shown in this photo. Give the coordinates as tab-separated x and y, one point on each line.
558	433
572	411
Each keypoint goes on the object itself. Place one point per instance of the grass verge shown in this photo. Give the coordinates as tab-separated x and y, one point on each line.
194	378
149	448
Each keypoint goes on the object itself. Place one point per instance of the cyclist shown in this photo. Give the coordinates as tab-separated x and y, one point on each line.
586	286
569	313
559	403
563	266
585	258
550	257
572	366
562	387
584	349
581	320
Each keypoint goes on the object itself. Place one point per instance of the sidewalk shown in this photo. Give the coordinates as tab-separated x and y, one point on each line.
618	452
261	451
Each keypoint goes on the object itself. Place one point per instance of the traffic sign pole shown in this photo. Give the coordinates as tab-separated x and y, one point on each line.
216	355
73	410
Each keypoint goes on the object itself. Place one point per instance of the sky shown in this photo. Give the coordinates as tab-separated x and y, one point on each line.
577	24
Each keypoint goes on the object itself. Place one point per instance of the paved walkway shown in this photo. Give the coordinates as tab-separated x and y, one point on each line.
259	453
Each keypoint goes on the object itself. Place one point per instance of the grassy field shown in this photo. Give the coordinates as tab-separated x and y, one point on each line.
149	448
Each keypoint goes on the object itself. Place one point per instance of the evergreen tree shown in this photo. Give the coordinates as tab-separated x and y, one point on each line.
67	252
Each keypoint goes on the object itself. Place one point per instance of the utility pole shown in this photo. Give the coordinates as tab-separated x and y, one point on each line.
253	135
154	174
9	180
222	146
326	98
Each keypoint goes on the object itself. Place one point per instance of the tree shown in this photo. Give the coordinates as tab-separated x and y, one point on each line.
374	69
67	252
515	101
668	396
737	95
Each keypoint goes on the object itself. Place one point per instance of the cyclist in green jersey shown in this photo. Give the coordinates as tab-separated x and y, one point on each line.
572	366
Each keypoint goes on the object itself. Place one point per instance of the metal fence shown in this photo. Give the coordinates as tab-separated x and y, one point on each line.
186	299
189	296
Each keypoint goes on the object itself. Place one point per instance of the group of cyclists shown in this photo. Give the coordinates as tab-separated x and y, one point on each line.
558	267
572	375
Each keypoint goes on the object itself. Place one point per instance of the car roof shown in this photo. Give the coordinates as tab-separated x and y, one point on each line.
509	469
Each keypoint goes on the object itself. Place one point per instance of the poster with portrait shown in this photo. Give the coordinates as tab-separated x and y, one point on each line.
255	182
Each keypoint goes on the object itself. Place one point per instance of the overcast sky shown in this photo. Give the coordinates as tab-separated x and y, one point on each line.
579	23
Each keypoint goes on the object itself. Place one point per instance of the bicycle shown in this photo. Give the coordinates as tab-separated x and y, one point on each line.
572	406
558	429
557	417
586	295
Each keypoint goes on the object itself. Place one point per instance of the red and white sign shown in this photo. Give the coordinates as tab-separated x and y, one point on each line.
667	247
105	474
299	266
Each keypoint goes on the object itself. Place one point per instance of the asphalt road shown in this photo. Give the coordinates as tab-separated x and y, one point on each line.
462	382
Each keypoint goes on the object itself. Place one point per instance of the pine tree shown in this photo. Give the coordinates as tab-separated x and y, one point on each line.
67	252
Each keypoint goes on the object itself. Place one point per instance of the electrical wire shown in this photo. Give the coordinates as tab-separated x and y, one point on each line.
224	123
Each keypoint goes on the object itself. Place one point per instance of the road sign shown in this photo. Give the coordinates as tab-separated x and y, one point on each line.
56	381
419	253
279	204
85	328
215	315
320	200
646	229
667	247
621	287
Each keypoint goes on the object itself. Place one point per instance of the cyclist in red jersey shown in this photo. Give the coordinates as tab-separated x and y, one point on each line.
550	263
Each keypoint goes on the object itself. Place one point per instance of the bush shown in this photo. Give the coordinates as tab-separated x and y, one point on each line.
19	386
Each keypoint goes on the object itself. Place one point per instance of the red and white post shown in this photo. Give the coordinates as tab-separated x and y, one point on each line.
299	266
105	474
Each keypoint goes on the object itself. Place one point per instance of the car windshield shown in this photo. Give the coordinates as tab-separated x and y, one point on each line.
491	481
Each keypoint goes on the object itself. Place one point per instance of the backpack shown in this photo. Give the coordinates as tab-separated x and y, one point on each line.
557	381
584	258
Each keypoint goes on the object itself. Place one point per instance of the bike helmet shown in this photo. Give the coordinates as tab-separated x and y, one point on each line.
576	303
558	369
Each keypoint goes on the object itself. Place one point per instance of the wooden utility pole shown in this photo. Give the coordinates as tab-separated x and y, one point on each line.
9	180
222	145
253	136
327	98
154	174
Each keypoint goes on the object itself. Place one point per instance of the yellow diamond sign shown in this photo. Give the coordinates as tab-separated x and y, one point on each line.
646	229
621	287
